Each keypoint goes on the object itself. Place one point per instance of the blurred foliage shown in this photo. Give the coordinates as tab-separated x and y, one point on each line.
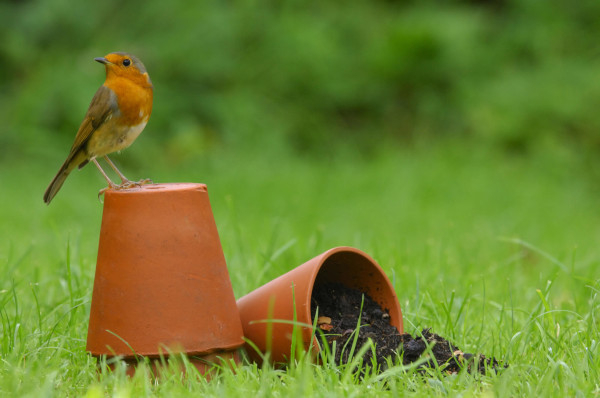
307	75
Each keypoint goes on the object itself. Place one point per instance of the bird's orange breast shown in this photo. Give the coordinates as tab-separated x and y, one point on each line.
134	100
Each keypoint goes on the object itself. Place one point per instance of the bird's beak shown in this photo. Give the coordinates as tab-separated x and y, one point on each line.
102	60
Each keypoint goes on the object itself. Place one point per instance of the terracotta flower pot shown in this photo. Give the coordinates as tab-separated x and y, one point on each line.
275	300
161	281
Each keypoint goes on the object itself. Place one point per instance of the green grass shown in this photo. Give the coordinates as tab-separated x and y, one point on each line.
497	253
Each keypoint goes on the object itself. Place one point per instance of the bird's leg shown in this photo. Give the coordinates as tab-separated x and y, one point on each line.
110	183
125	182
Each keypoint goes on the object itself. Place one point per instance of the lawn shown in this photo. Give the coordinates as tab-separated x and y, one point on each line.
497	252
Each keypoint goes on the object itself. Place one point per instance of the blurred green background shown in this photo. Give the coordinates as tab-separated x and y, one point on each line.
310	78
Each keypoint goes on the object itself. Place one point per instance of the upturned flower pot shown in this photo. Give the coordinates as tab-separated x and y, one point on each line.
161	283
270	312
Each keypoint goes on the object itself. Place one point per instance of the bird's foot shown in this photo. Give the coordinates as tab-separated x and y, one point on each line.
126	184
144	182
132	184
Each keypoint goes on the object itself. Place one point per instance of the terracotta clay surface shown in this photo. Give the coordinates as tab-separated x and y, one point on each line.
161	280
276	299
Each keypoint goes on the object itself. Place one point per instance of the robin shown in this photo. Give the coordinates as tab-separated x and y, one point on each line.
117	115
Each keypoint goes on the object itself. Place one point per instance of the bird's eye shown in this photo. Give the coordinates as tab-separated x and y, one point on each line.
126	62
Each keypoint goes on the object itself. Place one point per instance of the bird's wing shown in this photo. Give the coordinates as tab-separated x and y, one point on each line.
103	107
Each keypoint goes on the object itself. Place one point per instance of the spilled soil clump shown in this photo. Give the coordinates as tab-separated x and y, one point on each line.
339	309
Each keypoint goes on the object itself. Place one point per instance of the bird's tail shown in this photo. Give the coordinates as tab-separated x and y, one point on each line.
68	166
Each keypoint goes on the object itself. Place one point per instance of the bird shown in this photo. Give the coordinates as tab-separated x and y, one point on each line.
118	113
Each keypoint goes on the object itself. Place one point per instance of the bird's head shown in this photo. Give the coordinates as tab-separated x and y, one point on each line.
120	64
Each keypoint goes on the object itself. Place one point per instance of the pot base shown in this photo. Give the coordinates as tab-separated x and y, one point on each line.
206	364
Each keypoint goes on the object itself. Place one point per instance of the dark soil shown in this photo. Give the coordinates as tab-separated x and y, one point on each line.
338	316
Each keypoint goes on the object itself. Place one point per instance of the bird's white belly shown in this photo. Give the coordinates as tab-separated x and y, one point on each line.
113	138
130	135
